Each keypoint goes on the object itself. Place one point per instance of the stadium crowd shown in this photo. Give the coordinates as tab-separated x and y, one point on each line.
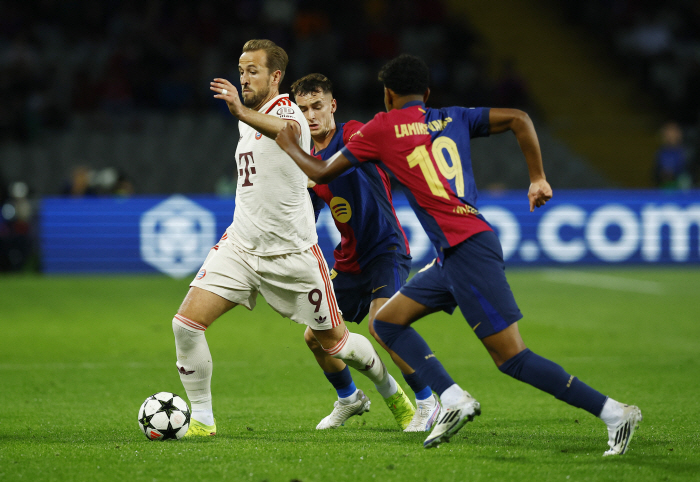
659	44
117	58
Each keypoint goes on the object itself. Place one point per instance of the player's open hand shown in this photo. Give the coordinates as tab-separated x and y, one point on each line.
287	139
540	192
227	92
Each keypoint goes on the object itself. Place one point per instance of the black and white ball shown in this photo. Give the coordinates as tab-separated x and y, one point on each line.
164	416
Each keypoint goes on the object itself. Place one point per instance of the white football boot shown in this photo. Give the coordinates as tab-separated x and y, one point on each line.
452	419
426	415
343	411
620	433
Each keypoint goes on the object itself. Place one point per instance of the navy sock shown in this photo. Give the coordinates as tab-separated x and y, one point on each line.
419	387
342	382
549	377
413	349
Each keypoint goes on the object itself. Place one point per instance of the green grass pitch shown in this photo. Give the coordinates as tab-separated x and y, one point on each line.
78	355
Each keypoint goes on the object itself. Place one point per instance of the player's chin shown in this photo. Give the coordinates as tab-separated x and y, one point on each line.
249	98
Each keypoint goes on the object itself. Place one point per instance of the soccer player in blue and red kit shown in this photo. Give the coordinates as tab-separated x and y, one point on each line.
372	260
428	151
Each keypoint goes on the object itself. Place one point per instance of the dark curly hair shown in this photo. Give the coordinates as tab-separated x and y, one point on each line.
312	83
405	75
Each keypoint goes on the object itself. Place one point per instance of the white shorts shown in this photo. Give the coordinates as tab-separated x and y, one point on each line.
295	285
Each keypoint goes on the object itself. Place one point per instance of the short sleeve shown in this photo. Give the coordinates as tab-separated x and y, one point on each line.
478	120
350	128
364	145
284	111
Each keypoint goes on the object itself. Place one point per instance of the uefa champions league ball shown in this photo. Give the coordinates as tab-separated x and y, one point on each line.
164	416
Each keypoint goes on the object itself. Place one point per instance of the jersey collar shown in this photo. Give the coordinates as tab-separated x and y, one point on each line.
413	103
338	131
266	108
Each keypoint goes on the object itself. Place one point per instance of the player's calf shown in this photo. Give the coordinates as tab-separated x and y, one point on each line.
546	375
195	366
356	351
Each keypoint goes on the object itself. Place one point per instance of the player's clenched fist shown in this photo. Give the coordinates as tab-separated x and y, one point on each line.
227	92
286	139
540	192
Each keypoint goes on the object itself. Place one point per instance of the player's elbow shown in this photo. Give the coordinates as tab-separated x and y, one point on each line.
322	177
521	120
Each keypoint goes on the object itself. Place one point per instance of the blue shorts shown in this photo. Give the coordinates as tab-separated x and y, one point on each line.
381	278
472	276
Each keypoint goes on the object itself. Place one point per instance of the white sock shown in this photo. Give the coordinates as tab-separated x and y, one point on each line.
612	412
195	366
357	352
451	396
388	388
427	403
350	399
204	416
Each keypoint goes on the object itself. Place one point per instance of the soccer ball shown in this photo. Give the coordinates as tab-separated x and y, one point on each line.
164	416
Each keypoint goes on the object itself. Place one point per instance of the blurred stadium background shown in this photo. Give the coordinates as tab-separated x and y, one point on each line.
105	113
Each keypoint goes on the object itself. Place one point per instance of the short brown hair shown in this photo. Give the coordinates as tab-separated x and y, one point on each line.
312	83
277	58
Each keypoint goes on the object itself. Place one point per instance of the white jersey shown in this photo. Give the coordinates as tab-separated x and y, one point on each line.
273	212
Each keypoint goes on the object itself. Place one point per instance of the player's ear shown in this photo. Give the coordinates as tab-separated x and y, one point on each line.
426	94
334	106
276	77
388	99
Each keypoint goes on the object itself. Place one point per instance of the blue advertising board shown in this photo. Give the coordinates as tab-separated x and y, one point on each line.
173	235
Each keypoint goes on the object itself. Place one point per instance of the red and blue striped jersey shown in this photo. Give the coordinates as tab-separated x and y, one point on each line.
428	151
361	205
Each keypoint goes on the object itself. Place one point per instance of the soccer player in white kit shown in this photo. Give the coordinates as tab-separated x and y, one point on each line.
270	248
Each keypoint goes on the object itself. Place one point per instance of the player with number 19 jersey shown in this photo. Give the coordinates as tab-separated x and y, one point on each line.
273	212
430	155
445	204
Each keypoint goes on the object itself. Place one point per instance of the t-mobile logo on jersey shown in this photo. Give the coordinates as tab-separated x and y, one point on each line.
245	159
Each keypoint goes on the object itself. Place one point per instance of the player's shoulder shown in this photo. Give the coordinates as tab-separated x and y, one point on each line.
459	114
282	107
352	125
350	129
379	121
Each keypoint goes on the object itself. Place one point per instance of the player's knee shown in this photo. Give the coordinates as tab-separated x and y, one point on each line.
350	346
183	323
311	340
373	332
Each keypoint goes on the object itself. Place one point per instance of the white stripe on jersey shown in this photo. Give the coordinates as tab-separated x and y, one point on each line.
273	212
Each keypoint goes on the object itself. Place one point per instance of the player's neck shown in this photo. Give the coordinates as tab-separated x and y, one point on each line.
399	102
321	142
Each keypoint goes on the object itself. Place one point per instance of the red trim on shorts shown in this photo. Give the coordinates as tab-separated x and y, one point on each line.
339	346
330	295
190	323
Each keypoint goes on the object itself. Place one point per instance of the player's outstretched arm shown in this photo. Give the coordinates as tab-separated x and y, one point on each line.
320	172
267	125
502	120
